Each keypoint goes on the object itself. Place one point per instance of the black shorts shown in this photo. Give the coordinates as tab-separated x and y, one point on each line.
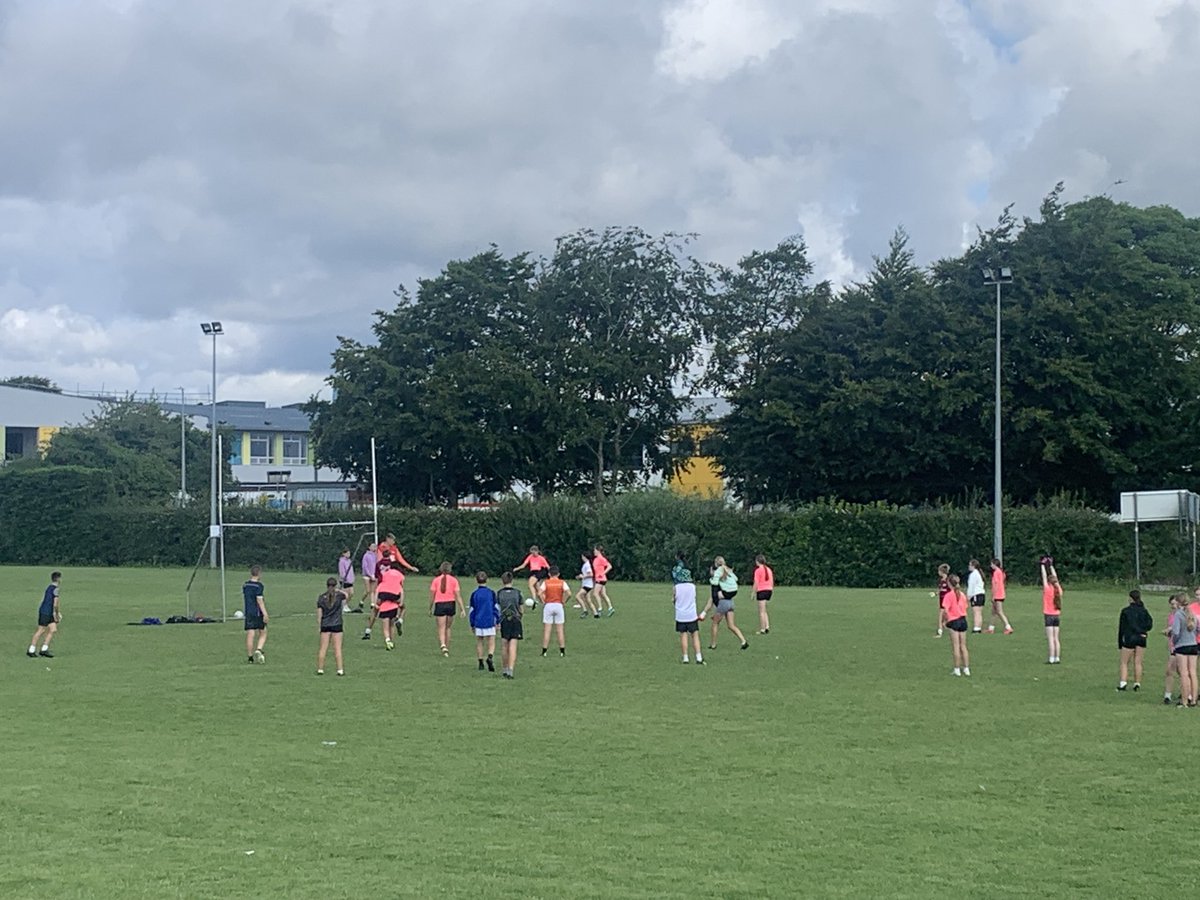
511	629
959	624
687	627
1051	621
1190	650
539	574
763	595
255	624
44	619
346	585
445	609
331	629
721	595
1132	642
978	600
389	613
386	595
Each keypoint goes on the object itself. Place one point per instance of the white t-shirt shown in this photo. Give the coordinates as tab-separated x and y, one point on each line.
585	573
685	602
974	583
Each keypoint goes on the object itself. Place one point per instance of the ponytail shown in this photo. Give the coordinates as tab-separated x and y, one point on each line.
1189	617
444	568
1057	596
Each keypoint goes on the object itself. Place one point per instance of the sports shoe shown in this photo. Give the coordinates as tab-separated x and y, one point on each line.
1136	687
584	615
612	611
346	610
481	665
938	633
399	628
445	650
341	671
366	636
991	629
258	657
712	646
699	660
967	671
389	645
976	631
1167	700
31	653
685	660
957	673
320	671
1120	687
46	653
1008	630
745	645
596	615
491	667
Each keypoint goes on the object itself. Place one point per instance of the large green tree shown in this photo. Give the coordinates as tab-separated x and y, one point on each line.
618	321
885	391
138	443
446	390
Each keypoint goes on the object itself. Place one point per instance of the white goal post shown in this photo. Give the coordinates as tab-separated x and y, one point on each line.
217	532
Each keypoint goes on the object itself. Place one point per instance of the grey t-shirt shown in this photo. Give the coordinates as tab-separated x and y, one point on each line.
510	601
331	617
1180	636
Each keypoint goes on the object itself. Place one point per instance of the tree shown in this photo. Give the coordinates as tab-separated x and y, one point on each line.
32	382
617	318
754	306
447	390
139	444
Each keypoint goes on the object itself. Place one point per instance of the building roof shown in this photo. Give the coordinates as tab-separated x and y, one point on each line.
248	415
30	408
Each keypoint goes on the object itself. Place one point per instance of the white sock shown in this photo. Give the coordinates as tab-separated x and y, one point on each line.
366	631
33	648
1122	684
699	658
685	657
957	670
967	670
45	647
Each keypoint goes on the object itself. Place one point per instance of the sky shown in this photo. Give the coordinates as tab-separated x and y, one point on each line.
283	165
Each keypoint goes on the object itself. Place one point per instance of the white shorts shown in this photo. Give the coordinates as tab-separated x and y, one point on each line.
553	614
485	632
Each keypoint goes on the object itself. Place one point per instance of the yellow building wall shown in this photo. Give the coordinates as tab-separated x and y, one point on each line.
701	477
245	447
44	435
276	449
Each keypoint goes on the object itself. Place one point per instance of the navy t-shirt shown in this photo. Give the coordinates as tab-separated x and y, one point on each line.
48	599
251	591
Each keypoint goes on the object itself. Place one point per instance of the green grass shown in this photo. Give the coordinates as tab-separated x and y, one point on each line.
835	757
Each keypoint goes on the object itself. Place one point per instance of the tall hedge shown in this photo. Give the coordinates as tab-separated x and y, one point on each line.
63	516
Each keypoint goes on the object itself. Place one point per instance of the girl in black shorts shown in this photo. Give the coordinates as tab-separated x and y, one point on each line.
1132	627
329	625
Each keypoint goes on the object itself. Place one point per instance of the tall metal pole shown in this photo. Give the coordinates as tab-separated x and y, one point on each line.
997	522
212	432
182	451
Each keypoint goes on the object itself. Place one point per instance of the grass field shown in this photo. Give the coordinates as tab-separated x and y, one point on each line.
835	757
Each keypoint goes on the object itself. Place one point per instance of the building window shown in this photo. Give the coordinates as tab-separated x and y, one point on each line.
295	449
260	449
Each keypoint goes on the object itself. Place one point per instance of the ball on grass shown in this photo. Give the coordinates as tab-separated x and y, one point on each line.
239	614
530	602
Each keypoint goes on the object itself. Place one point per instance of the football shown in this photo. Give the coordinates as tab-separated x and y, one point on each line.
530	602
239	614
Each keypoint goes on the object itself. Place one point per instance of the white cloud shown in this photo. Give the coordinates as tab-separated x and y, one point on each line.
282	165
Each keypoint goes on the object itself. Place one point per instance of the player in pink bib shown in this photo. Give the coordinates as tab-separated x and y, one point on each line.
764	587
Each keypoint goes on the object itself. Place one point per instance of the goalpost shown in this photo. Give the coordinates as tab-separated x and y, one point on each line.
217	532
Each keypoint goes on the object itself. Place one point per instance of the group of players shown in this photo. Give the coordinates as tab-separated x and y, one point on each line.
383	569
954	602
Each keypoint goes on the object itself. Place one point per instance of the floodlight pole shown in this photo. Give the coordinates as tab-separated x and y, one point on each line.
182	450
997	277
213	329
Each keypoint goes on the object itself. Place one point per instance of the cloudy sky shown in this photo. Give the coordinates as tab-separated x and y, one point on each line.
281	165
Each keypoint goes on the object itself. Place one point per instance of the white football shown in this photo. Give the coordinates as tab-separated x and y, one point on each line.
239	615
530	602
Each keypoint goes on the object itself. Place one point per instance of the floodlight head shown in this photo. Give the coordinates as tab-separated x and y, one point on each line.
206	327
1005	275
216	326
987	274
